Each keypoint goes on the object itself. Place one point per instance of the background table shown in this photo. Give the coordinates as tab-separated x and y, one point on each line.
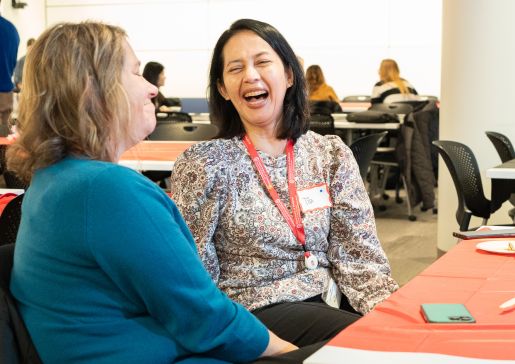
396	332
153	155
340	122
503	183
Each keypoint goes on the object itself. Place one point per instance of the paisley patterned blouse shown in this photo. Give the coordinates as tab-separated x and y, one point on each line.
247	246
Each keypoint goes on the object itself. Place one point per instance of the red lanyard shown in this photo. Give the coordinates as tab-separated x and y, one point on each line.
295	223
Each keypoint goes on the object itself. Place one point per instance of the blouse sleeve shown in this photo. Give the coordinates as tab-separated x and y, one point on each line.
360	266
140	240
198	190
332	95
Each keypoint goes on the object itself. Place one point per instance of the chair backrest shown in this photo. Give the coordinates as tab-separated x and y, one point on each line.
464	170
184	131
15	343
10	221
322	124
502	144
364	149
356	98
173	117
394	108
324	107
11	181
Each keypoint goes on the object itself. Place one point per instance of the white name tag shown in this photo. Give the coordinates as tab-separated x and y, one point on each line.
314	198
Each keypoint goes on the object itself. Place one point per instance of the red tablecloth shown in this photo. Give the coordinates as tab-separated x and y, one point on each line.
480	280
5	199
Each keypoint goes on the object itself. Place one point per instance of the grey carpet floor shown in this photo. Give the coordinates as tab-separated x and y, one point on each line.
409	245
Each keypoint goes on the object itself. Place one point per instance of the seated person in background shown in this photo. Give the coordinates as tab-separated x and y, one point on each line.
18	70
154	73
391	87
279	214
317	88
105	269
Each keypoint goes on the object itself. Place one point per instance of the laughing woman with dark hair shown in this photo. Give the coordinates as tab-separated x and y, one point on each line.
279	214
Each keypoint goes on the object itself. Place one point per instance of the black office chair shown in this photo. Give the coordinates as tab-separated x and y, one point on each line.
15	343
364	149
394	108
322	124
10	220
12	181
324	107
385	159
504	148
502	145
173	117
464	170
184	132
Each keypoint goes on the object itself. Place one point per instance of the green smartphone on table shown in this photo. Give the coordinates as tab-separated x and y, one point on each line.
446	313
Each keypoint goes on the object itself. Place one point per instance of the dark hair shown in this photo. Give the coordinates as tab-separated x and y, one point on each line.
152	71
295	106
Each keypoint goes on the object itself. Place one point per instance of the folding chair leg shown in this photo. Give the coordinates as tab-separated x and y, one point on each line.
411	217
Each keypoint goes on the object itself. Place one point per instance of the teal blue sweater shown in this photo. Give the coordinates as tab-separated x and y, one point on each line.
106	271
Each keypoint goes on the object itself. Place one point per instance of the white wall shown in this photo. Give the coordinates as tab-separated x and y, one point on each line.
346	38
29	21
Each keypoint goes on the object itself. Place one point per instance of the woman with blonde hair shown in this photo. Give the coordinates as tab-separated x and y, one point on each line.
318	90
391	87
105	269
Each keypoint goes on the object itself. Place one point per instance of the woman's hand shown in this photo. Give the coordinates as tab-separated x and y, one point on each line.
277	346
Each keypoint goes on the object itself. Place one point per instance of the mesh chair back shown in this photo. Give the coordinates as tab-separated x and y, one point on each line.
394	108
364	150
464	170
15	344
502	144
184	132
173	117
10	221
322	124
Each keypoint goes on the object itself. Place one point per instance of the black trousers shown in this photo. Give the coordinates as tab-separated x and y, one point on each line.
308	324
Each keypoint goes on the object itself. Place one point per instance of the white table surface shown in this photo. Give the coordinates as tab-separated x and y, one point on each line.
16	191
503	171
337	355
147	165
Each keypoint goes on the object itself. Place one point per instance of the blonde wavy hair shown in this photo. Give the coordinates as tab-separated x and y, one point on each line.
73	101
389	72
314	78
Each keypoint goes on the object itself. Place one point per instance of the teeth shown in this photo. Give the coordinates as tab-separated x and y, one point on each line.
254	93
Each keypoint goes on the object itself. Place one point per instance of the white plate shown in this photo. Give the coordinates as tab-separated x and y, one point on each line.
497	246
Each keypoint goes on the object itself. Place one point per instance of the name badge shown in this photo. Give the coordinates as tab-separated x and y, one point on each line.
314	198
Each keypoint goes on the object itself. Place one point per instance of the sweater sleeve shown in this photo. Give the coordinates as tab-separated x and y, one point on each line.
360	265
141	242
